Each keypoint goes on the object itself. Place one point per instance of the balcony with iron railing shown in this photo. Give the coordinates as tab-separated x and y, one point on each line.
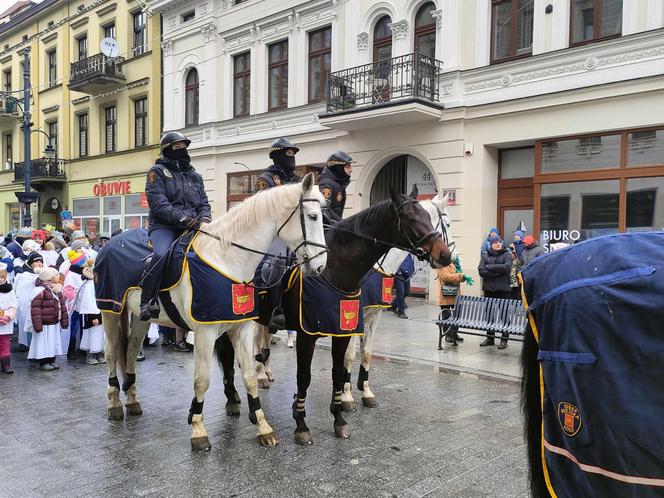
408	82
42	170
96	74
8	108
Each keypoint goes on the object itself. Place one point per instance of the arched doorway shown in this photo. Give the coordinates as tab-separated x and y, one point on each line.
401	173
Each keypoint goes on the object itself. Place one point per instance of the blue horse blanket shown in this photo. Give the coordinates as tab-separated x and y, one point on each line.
216	297
597	312
377	290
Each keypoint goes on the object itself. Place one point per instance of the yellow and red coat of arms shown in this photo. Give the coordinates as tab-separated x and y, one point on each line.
570	418
386	290
349	311
243	299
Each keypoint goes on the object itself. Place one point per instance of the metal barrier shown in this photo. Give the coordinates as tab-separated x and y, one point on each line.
490	314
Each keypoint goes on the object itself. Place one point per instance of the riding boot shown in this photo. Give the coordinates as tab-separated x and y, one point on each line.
149	302
6	367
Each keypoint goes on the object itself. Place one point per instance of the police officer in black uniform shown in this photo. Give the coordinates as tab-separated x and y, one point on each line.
333	182
282	169
178	202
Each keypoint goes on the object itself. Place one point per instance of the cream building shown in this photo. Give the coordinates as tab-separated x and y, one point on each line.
102	115
546	112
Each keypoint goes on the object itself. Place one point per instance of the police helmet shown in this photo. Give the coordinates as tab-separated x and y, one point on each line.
281	144
169	138
339	158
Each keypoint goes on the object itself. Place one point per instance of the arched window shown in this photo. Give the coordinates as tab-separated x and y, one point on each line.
191	98
425	30
382	40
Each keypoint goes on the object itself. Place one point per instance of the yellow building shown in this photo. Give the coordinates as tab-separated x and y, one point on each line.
101	114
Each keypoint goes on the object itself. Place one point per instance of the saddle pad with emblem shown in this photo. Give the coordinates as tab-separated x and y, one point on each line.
322	309
377	290
596	310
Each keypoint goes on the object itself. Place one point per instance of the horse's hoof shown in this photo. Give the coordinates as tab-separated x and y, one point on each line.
370	402
233	409
342	431
134	409
270	377
348	406
303	438
200	444
263	383
270	440
115	413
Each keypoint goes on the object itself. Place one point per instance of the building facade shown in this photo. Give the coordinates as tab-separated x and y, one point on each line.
548	113
101	114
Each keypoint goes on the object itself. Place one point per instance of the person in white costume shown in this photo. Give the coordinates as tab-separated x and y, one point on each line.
92	340
7	313
24	284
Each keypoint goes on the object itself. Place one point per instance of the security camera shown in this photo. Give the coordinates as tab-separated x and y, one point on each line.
468	149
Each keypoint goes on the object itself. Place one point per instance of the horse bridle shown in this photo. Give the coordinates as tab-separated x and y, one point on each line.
304	242
443	228
415	247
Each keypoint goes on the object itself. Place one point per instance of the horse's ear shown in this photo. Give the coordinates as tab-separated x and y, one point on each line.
307	183
414	192
395	196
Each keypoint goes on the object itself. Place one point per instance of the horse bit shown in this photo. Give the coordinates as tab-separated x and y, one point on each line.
415	247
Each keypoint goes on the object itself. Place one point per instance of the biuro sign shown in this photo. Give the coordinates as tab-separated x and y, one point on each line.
111	188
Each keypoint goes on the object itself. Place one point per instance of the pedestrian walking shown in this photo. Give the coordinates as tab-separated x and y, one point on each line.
450	278
531	249
48	314
8	307
495	268
402	285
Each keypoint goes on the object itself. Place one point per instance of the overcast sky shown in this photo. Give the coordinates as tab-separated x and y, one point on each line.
5	4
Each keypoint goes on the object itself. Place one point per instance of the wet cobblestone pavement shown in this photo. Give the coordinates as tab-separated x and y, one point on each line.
434	433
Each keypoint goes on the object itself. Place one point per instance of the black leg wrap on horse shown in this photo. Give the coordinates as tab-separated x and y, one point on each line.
361	378
298	407
347	377
338	376
129	381
254	404
114	382
196	408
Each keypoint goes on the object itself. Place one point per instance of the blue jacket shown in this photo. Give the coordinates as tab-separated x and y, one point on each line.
333	187
407	268
175	192
274	176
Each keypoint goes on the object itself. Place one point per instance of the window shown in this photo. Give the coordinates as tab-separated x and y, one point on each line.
86	215
382	43
112	216
320	52
241	84
7	80
645	148
82	44
109	128
645	209
53	134
511	29
139	40
136	211
52	67
581	154
595	19
109	31
82	135
9	154
278	75
425	31
191	98
188	16
140	122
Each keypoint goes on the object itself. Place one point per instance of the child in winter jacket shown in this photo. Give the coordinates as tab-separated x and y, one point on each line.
24	284
47	314
7	314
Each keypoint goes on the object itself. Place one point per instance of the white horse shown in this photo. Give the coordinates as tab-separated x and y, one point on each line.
291	212
437	209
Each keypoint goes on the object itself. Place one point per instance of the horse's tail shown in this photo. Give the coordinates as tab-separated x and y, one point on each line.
531	403
123	339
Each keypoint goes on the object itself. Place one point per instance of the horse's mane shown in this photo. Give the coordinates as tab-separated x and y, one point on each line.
358	223
245	216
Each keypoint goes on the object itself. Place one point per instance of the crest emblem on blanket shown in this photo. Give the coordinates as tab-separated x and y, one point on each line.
243	299
570	418
388	285
349	311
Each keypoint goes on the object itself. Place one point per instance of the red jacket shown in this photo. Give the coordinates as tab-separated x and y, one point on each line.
46	308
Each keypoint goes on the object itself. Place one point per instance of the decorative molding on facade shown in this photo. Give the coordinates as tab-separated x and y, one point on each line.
203	8
209	32
172	22
167	47
399	29
82	100
438	17
52	108
363	41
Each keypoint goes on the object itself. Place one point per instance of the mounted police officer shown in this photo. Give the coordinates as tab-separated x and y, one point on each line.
333	182
282	169
178	202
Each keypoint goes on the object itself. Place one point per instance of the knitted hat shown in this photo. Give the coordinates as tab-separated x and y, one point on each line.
76	258
25	233
30	246
77	234
33	258
518	233
79	244
529	240
494	239
38	235
46	274
494	230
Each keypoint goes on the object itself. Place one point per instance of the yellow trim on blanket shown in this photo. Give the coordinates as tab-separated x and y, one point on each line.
377	306
385	274
210	264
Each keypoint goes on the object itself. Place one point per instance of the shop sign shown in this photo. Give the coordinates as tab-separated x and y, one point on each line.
144	200
550	237
111	188
66	215
451	199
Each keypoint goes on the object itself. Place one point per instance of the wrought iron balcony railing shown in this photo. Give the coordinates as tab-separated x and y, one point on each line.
41	169
8	107
97	69
407	76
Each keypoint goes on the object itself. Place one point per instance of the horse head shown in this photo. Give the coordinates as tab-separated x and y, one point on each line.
441	220
302	230
417	232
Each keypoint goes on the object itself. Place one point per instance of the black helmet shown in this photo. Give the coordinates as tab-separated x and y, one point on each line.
169	138
339	158
281	144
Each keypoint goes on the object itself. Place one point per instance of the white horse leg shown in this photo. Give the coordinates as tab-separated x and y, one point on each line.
368	398
112	331
138	331
261	343
203	351
347	401
241	337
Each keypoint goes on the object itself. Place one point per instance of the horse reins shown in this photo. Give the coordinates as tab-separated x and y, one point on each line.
443	228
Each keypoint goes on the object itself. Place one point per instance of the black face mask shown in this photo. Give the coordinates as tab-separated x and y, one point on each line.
177	155
5	288
340	173
285	162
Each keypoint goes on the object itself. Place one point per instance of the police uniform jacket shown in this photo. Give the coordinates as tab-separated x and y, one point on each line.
333	187
175	191
274	176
